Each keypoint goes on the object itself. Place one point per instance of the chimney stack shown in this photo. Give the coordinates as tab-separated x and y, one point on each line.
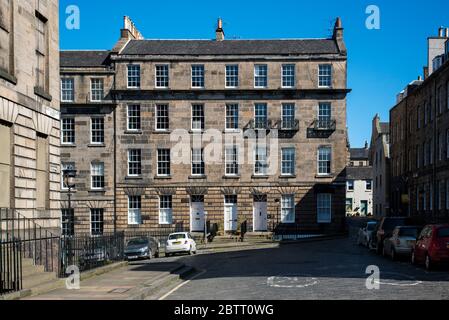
447	32
129	30
219	33
338	35
441	32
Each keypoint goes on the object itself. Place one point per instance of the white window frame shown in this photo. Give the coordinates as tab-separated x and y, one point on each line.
159	162
288	77
64	131
327	160
100	222
138	163
64	89
264	161
98	90
290	162
165	77
201	117
321	206
285	118
231	161
325	75
197	164
258	75
97	170
233	75
135	212
137	74
165	209
136	115
235	117
256	116
291	209
350	185
157	117
92	130
198	77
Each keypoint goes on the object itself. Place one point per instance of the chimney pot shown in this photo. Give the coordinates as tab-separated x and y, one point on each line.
440	32
447	32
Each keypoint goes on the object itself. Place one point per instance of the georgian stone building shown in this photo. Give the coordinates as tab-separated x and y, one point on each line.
179	121
29	109
419	130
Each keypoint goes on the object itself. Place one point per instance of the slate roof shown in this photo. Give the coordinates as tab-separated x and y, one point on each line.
358	153
91	58
359	173
231	47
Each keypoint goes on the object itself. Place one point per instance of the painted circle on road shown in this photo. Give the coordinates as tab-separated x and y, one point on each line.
298	281
397	279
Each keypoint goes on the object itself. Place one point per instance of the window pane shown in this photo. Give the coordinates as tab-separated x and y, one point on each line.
162	79
197	76
288	115
97	175
324	160
288	209
97	132
67	90
97	221
325	75
134	122
163	162
260	116
133	76
260	76
288	161
96	89
232	76
134	162
232	116
288	75
197	117
134	210
68	130
231	161
197	162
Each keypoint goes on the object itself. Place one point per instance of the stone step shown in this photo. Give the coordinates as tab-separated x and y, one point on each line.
30	270
37	279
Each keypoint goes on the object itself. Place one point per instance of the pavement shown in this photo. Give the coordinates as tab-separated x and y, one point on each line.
126	283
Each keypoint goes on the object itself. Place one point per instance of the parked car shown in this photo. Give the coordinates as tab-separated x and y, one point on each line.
385	230
180	242
366	233
401	242
432	246
142	248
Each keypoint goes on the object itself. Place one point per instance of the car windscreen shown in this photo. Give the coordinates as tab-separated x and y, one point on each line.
137	242
177	236
443	233
408	232
390	224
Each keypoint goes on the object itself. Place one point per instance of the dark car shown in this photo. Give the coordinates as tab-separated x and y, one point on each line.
432	246
142	248
385	230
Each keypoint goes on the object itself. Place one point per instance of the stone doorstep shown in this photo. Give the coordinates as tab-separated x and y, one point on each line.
151	287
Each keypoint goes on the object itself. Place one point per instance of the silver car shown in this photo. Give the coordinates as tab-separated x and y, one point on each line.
142	248
401	242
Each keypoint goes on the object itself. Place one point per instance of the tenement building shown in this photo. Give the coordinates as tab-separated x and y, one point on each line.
29	110
380	158
190	133
419	129
359	183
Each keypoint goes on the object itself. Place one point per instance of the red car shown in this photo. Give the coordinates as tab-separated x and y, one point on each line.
432	246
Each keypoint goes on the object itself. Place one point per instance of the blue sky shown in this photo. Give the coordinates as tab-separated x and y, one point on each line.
380	62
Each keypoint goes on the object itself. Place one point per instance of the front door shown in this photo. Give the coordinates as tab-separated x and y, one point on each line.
230	216
197	214
260	216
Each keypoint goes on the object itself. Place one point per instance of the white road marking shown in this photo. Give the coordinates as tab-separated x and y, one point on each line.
291	282
181	285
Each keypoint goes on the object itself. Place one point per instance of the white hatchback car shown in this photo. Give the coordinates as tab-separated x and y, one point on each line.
180	242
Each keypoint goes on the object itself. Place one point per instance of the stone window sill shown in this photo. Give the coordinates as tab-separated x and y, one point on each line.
232	177
287	176
133	178
95	145
324	176
133	132
68	145
41	93
198	177
8	77
255	176
163	177
161	131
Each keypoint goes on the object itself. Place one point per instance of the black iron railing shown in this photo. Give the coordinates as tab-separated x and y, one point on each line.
325	124
89	252
10	266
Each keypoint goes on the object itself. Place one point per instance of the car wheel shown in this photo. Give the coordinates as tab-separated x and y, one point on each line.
150	254
156	255
167	254
429	265
190	251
